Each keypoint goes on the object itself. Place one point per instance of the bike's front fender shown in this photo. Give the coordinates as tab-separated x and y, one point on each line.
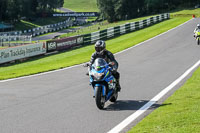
103	89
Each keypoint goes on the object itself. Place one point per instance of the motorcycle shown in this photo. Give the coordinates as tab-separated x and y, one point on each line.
103	82
197	35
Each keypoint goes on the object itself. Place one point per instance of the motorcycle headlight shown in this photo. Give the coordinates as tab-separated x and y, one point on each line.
98	74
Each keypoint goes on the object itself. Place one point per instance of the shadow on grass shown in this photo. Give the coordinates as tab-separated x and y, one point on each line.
131	105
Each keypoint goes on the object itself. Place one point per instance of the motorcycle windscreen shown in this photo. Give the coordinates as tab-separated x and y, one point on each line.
99	64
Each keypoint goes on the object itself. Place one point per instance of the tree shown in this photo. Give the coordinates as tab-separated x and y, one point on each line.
107	9
14	8
114	10
49	5
126	9
3	7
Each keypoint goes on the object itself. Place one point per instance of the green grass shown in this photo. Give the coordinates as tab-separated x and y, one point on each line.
83	54
22	25
181	113
81	5
186	13
25	24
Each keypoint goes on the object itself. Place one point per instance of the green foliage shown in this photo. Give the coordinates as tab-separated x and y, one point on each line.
13	10
114	10
106	8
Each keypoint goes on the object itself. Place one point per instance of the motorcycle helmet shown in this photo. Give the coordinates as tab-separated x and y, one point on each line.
198	25
100	46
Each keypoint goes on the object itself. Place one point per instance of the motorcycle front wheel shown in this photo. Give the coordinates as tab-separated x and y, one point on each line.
99	98
198	42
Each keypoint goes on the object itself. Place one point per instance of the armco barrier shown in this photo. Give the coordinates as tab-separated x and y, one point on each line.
123	29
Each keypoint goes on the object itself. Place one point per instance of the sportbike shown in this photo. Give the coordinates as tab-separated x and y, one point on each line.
103	82
197	35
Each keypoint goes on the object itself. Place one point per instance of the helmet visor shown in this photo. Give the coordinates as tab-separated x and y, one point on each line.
98	49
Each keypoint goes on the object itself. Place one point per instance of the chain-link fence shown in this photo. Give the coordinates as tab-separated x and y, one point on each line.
8	41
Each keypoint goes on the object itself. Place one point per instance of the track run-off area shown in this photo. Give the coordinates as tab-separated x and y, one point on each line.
61	101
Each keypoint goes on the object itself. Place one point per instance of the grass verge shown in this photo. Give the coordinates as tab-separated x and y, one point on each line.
77	56
81	5
180	113
24	25
186	13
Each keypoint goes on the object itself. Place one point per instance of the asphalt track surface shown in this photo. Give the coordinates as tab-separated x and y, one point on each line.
61	102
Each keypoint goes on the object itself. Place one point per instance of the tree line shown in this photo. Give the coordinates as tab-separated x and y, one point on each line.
114	10
13	10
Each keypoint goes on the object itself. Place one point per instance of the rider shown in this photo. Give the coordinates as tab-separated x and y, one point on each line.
101	52
196	29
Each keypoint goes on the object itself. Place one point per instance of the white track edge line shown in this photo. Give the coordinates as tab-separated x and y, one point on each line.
35	75
139	112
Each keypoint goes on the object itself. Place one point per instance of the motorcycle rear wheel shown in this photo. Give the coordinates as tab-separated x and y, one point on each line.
99	98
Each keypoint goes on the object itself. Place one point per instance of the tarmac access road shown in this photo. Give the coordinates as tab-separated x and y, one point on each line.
61	101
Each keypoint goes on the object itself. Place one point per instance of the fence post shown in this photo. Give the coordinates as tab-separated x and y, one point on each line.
110	32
